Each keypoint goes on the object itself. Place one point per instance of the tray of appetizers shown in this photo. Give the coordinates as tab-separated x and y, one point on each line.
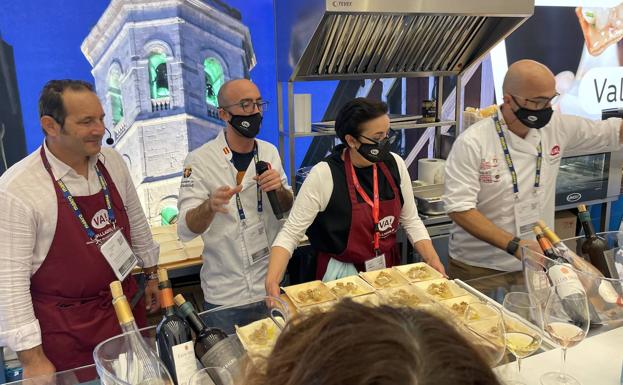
417	272
406	295
259	337
352	286
309	294
440	289
383	279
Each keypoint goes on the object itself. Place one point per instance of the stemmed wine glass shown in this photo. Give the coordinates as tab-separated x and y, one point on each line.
211	376
523	323
485	327
566	320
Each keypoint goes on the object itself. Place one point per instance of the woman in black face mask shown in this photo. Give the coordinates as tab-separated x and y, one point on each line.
352	203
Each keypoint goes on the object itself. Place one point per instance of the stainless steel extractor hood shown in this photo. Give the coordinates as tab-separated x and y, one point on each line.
328	39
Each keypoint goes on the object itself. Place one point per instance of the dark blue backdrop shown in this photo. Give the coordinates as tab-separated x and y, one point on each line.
46	37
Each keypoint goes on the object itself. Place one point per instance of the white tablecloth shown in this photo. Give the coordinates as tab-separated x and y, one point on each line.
595	361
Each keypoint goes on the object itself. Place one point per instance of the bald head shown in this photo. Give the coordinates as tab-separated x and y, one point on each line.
529	79
236	90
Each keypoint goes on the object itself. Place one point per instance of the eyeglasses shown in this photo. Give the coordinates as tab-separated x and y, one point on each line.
248	105
536	103
390	137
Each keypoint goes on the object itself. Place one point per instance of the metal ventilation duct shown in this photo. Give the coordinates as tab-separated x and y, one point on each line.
326	39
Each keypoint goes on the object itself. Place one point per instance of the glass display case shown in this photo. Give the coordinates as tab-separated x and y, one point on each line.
589	179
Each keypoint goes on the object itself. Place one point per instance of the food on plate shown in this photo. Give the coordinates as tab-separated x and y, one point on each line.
402	297
342	289
384	279
309	295
418	272
441	290
601	26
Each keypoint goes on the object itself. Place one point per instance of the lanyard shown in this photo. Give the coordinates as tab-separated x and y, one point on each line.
509	160
72	202
259	192
374	204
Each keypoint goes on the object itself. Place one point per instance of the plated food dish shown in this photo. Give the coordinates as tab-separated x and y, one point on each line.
309	294
259	337
440	289
383	279
416	272
349	287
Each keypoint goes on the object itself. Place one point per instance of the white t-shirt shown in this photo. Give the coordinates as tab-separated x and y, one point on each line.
477	176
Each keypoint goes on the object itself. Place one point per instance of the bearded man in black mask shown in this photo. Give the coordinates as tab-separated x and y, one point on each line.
353	202
223	200
501	175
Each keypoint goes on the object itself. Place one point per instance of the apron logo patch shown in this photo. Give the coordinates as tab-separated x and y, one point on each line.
100	219
555	150
386	223
187	172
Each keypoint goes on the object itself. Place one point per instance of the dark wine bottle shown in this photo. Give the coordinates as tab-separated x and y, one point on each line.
173	336
593	246
206	337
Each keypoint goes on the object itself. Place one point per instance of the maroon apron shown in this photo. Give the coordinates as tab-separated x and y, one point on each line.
70	291
360	244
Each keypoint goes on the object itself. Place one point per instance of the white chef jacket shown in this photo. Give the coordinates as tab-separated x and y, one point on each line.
477	176
29	207
227	277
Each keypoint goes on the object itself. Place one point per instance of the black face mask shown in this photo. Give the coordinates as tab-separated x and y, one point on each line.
376	152
534	118
247	125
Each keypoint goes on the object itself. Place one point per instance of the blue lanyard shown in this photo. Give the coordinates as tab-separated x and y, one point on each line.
259	192
72	204
509	160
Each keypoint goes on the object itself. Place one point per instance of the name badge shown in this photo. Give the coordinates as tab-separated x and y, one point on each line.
376	263
119	254
527	213
256	242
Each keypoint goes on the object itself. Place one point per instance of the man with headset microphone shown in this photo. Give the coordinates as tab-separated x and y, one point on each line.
73	223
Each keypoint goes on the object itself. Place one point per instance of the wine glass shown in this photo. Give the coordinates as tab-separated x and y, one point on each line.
211	376
485	328
566	320
522	339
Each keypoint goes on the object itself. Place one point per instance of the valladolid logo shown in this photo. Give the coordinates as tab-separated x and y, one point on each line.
100	219
386	223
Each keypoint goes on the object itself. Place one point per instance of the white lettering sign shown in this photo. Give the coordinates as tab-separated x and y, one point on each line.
602	88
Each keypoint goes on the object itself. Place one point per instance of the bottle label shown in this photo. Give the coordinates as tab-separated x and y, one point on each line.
584	216
184	361
564	274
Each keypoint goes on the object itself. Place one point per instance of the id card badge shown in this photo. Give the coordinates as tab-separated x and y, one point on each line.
376	263
119	254
527	213
256	242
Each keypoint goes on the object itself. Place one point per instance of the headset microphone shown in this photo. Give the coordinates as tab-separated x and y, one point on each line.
110	141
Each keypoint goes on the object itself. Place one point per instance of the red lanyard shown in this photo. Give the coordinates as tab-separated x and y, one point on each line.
375	205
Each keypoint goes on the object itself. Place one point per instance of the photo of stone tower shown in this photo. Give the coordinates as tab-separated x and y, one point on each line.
158	66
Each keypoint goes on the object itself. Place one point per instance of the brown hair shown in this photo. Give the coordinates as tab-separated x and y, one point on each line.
51	98
359	345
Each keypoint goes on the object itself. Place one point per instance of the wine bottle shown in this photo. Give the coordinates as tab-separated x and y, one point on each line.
546	245
593	246
212	346
173	336
139	364
572	293
601	291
